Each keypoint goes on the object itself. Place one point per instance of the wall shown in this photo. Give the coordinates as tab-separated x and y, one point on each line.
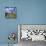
28	12
8	25
33	12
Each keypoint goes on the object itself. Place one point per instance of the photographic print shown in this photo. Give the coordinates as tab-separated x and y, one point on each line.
10	12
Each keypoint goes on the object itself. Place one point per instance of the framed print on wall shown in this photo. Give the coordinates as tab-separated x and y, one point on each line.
10	12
